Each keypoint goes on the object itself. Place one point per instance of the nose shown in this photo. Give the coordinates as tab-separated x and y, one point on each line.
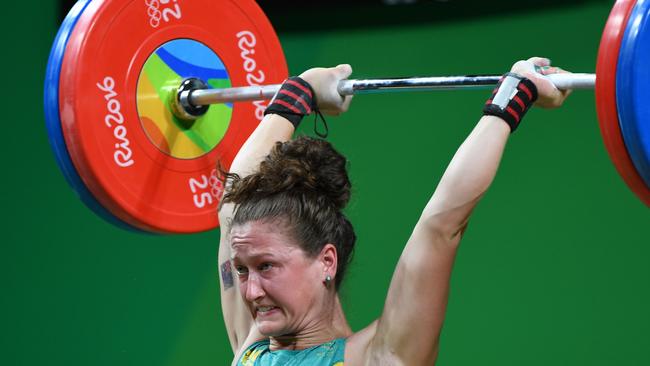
254	290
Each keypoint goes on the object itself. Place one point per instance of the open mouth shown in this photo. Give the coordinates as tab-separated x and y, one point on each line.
265	310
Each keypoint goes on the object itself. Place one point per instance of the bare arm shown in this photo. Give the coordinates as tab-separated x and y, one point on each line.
238	320
409	328
272	129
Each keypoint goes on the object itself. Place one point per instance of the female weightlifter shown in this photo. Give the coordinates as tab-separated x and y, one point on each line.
285	242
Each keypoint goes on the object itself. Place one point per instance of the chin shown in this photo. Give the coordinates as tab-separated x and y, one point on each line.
271	329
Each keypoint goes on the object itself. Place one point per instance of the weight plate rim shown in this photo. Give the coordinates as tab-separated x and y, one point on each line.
81	26
606	99
53	120
631	120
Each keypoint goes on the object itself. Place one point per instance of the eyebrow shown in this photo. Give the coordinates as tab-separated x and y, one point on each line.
257	256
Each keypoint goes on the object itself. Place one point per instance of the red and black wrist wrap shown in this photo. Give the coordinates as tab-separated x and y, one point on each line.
511	99
293	101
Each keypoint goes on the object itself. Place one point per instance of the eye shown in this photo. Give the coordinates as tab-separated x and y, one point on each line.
241	270
265	266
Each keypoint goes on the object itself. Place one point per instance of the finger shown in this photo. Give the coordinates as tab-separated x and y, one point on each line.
523	67
540	61
562	71
346	103
547	70
343	71
555	97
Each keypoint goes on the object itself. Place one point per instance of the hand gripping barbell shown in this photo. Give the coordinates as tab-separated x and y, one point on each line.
129	82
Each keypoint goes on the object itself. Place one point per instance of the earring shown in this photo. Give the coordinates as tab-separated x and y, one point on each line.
328	279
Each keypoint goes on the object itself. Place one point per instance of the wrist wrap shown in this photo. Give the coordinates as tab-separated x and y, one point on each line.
511	99
293	101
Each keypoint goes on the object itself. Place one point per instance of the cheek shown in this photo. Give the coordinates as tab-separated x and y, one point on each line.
293	285
304	282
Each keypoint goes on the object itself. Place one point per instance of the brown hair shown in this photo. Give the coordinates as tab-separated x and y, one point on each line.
304	183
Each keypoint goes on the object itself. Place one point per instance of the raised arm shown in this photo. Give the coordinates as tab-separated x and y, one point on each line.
237	318
409	327
273	128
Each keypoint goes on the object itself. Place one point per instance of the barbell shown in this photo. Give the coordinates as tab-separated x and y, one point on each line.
143	98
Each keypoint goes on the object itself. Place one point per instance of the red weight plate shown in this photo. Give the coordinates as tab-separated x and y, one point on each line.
121	59
606	98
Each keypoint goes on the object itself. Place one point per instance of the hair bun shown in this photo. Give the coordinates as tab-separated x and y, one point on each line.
308	166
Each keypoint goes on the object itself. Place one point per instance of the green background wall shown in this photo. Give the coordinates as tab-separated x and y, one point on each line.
553	269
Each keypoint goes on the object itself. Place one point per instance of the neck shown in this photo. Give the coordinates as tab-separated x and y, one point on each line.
328	328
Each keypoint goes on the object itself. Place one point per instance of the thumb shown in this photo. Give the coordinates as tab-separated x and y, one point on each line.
343	71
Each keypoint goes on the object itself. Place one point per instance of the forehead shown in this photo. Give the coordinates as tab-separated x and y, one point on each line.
258	238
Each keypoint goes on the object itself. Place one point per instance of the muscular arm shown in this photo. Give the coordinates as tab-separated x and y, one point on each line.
238	320
409	328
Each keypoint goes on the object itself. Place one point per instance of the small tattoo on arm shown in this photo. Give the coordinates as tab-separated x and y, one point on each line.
226	275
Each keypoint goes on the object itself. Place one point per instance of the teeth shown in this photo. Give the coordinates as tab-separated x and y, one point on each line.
264	309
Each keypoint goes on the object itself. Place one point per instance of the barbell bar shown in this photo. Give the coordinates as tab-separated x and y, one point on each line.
198	97
114	73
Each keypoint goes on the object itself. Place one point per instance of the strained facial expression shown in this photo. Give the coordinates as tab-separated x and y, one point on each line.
278	282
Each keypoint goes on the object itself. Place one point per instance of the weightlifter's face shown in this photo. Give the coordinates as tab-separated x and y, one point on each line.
278	282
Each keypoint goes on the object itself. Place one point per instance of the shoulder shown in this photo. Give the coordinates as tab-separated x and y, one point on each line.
252	353
254	345
363	348
358	344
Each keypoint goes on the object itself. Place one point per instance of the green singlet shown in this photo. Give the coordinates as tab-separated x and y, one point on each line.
326	354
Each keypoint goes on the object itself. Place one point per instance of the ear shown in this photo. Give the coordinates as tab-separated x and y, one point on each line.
328	259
